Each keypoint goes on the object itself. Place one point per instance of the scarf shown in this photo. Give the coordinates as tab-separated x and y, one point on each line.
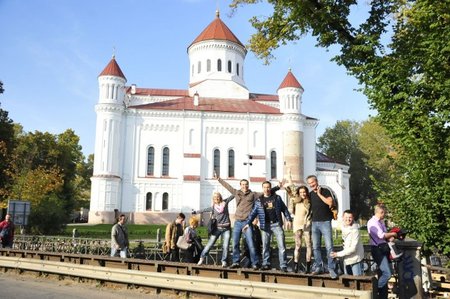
219	208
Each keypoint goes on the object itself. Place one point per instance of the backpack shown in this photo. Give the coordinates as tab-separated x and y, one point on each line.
334	206
5	233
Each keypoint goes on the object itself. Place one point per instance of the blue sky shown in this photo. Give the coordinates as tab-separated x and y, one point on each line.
53	50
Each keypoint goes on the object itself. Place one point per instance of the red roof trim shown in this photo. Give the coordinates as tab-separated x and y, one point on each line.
159	92
211	104
191	178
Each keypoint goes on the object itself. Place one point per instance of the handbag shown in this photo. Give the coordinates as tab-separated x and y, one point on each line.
212	225
182	243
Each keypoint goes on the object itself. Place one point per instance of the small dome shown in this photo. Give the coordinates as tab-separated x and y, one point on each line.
112	69
290	81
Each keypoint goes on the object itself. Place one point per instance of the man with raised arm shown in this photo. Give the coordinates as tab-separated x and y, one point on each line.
245	199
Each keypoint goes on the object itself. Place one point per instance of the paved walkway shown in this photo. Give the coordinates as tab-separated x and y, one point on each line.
25	286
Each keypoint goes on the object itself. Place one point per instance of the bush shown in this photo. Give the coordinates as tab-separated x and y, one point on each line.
48	217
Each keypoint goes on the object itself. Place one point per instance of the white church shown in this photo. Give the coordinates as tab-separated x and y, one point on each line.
156	149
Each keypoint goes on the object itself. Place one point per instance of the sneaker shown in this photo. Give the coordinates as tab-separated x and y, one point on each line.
200	261
234	266
255	267
265	267
333	274
224	264
283	269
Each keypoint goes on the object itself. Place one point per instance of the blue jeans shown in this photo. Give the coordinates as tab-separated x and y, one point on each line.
319	229
355	269
266	236
383	266
123	252
225	232
237	231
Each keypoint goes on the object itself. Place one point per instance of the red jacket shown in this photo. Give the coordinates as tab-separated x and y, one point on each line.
5	224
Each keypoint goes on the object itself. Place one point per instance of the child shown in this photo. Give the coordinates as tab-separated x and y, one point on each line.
396	253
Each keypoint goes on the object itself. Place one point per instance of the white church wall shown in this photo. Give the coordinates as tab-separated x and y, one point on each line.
309	149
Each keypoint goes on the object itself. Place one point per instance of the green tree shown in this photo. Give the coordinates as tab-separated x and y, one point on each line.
399	54
341	143
379	150
84	172
7	143
45	171
49	217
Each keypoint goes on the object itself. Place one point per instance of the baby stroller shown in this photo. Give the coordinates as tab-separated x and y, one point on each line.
396	255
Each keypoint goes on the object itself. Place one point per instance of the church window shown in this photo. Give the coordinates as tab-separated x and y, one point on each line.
216	166
165	164
199	67
219	65
237	69
151	161
231	163
229	66
273	165
148	202
165	201
208	65
192	71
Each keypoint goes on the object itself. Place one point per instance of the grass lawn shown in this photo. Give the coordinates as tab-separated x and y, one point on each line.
147	231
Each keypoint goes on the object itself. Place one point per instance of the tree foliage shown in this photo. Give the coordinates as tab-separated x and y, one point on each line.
343	143
400	55
46	169
7	144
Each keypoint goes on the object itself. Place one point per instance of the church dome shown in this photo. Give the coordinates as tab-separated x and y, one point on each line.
217	30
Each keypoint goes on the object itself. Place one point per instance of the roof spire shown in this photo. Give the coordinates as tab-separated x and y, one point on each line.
114	52
217	9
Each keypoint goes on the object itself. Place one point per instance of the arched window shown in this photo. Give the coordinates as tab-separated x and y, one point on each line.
148	201
199	67
229	66
216	166
237	69
273	165
219	65
192	71
151	161
208	65
165	164
231	163
165	201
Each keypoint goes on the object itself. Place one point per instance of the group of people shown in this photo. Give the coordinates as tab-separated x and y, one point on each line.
311	222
